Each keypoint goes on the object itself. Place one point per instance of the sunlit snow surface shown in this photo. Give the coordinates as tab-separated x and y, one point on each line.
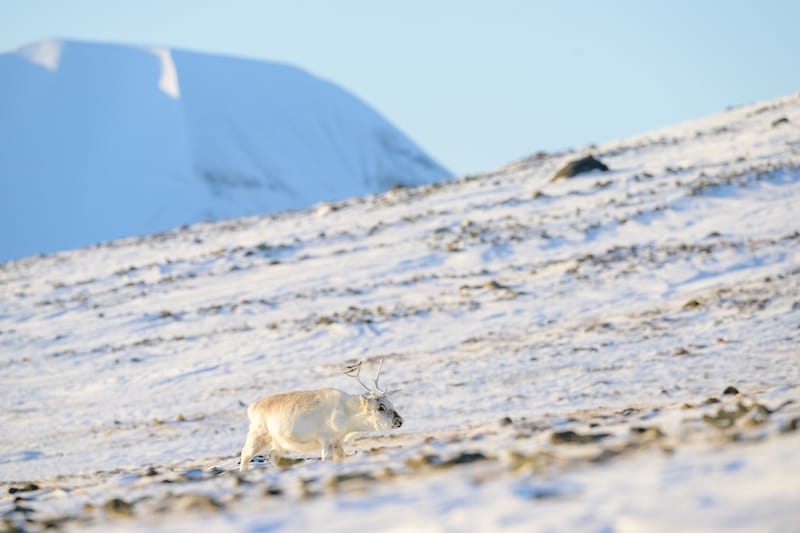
562	349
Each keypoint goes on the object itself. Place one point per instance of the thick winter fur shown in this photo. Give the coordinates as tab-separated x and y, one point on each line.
314	421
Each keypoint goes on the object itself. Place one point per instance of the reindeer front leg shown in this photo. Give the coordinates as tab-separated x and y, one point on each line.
328	450
257	440
338	452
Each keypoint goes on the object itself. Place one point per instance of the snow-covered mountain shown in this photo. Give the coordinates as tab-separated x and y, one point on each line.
103	141
614	350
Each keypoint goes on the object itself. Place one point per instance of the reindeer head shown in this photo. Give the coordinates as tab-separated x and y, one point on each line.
378	409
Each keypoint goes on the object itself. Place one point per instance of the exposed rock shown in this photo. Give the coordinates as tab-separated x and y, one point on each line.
196	502
538	461
24	488
571	437
273	491
756	415
691	304
753	414
779	122
648	433
351	478
9	526
433	460
580	166
118	507
465	458
19	509
285	462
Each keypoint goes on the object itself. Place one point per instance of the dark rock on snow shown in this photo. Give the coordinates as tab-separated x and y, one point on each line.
580	166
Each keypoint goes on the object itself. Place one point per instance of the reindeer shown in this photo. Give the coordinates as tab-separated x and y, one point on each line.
317	420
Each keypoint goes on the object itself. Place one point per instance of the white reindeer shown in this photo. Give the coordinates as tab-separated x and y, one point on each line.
316	420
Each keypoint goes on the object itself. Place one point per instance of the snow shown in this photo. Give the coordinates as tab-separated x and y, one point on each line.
168	80
102	141
45	53
563	350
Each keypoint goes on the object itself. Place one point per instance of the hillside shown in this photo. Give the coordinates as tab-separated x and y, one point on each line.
101	141
611	351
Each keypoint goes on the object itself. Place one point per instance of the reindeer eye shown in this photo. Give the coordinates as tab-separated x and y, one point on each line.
381	408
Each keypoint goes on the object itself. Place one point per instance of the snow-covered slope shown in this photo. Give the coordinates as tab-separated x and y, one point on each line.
105	141
616	351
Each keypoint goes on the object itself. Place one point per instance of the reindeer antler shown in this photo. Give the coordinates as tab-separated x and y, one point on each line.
354	371
377	376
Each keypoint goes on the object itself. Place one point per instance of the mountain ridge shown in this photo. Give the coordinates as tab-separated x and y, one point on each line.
207	137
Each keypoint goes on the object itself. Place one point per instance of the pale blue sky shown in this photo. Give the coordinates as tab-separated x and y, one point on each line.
477	84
